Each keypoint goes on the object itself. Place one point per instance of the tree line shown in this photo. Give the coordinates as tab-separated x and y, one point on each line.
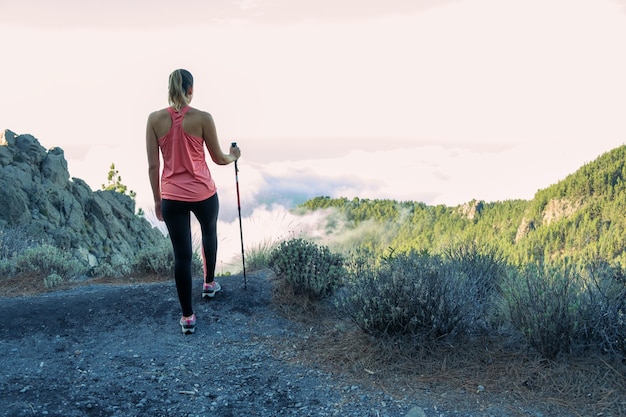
575	220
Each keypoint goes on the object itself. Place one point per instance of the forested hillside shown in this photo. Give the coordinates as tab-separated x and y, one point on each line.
579	218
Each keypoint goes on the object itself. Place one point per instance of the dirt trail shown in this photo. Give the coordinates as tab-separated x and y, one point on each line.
117	350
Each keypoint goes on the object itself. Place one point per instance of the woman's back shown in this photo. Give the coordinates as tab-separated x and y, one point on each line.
192	122
186	176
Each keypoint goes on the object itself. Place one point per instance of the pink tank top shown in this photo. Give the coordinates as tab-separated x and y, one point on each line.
186	175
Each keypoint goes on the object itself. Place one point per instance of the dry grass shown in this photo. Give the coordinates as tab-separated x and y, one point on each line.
33	284
27	284
474	375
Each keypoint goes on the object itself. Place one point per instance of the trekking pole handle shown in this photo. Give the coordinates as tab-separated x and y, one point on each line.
234	145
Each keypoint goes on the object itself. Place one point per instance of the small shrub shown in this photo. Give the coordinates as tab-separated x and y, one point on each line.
114	266
158	259
604	307
197	267
310	270
104	269
7	268
258	257
46	259
52	280
415	295
484	269
542	303
14	241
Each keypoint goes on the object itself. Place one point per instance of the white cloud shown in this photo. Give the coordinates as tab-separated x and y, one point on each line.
262	229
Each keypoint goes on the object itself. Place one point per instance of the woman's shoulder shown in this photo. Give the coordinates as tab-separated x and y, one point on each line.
200	117
159	114
197	112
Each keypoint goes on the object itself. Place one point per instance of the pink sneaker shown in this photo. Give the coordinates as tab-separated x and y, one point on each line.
209	290
188	325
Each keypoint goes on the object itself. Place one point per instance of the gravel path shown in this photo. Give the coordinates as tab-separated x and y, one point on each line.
117	350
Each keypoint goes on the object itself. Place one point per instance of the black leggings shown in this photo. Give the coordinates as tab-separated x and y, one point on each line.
178	221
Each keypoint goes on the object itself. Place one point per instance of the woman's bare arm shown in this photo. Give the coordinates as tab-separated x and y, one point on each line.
209	134
154	164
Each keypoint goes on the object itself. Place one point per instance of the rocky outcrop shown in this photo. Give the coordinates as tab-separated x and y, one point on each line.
471	210
38	196
556	209
525	227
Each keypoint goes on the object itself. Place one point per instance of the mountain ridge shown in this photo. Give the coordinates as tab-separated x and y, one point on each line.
580	217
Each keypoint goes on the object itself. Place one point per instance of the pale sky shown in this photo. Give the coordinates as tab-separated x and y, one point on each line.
439	101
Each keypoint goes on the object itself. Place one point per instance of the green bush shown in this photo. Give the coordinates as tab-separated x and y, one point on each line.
106	268
52	280
152	260
7	268
484	269
46	260
158	259
13	241
413	295
543	303
311	270
258	257
603	313
197	267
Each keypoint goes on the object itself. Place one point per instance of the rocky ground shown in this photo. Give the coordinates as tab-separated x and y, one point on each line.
116	350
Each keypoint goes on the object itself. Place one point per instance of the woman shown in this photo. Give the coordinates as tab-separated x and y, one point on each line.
180	133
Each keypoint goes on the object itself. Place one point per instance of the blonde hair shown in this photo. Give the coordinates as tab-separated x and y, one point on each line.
180	82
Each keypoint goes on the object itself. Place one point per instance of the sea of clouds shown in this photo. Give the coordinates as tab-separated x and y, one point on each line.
276	176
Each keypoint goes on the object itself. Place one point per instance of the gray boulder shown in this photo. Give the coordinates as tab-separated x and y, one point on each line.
38	196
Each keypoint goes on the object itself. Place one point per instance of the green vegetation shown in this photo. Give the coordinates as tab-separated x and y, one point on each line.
423	298
309	269
549	269
542	304
114	183
413	294
579	218
47	260
258	256
157	260
24	255
563	310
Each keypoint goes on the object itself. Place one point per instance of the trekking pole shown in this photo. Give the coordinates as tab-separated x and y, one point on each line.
243	259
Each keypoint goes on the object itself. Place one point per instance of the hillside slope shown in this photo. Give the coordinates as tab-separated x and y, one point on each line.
579	218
